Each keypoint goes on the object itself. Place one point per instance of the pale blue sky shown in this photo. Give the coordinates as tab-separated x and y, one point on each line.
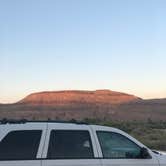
82	44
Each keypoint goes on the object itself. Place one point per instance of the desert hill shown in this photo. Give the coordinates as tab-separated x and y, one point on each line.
76	97
74	104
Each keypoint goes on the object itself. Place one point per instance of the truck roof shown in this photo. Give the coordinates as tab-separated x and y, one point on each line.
72	123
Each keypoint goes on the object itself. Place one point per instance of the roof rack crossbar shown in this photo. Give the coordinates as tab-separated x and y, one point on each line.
22	121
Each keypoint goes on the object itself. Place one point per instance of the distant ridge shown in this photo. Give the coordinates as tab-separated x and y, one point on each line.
78	96
80	104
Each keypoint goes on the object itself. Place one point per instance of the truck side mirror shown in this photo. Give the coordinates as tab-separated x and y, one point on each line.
145	154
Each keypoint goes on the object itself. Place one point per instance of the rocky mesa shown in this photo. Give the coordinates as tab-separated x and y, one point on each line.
76	97
79	104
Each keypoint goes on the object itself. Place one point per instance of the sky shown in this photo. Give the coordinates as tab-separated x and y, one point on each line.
50	45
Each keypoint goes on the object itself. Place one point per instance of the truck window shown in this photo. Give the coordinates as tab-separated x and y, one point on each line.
117	146
70	144
20	145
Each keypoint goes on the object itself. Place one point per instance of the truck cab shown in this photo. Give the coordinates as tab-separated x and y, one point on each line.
52	143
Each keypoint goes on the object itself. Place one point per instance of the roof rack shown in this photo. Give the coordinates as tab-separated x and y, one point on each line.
23	121
12	121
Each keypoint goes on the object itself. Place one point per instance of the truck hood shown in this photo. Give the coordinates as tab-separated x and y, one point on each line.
161	156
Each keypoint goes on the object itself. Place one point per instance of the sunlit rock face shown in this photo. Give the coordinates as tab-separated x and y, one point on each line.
76	97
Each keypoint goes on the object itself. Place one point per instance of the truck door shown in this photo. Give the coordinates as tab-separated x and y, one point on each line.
70	145
21	145
118	149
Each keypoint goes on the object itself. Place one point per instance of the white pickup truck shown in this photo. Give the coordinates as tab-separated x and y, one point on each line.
49	143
